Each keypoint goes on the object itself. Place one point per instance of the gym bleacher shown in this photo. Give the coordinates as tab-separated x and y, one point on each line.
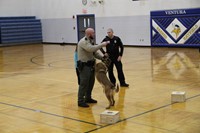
20	30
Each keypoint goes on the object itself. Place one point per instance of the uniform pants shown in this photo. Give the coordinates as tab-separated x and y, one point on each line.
118	65
78	77
87	79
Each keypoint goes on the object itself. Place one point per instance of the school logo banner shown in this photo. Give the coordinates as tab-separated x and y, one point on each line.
175	27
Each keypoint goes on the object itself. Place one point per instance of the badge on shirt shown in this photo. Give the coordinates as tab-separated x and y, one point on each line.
115	41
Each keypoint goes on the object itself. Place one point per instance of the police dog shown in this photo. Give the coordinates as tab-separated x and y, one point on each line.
109	88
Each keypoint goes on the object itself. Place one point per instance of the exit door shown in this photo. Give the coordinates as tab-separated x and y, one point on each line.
84	22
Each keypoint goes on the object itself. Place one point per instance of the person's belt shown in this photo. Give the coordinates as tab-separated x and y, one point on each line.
89	63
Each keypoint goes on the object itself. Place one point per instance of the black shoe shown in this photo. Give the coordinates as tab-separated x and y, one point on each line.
84	105
91	101
124	85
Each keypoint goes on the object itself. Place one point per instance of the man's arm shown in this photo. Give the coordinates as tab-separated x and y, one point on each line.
121	47
92	48
101	49
89	47
98	55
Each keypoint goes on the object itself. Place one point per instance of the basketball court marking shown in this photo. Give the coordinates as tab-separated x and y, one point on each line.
100	126
143	113
44	112
35	121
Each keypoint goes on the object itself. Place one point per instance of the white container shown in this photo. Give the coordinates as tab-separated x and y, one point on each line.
178	96
109	117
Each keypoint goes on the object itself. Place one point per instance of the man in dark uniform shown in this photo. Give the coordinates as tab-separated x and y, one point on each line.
87	52
115	55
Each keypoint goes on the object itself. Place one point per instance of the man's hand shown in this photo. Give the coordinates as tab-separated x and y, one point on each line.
108	42
105	43
119	58
106	54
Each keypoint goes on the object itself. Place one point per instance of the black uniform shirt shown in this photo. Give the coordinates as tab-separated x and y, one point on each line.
115	48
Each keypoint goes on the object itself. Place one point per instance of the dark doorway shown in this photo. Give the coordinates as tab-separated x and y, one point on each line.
83	22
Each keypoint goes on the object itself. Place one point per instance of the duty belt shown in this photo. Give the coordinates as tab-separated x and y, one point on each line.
89	63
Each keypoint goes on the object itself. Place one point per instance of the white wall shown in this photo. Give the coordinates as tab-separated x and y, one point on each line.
14	8
133	30
59	30
67	8
130	20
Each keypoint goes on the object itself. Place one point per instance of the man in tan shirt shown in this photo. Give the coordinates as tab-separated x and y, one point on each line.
87	52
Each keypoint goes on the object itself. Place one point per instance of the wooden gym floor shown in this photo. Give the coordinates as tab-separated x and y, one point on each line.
38	92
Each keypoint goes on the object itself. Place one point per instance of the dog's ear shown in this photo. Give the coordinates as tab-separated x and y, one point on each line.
100	65
97	66
104	66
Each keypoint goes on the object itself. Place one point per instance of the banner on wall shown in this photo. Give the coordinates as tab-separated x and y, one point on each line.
179	27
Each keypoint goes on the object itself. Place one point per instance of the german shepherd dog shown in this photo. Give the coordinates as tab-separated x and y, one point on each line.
109	88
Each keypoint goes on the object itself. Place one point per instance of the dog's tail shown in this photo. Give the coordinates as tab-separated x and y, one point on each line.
117	89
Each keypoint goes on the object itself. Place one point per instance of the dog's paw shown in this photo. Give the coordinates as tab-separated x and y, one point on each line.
113	103
108	107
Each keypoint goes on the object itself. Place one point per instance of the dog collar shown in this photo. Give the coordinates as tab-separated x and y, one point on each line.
102	70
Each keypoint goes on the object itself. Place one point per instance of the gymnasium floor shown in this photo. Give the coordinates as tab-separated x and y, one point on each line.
38	92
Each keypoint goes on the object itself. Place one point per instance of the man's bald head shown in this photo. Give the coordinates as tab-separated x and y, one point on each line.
110	32
89	32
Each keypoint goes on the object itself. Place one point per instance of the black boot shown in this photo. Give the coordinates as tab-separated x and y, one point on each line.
91	101
124	85
83	104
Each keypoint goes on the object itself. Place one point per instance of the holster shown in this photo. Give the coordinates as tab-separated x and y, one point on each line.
90	63
81	64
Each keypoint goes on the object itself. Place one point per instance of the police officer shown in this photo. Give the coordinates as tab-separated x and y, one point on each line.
87	52
115	51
